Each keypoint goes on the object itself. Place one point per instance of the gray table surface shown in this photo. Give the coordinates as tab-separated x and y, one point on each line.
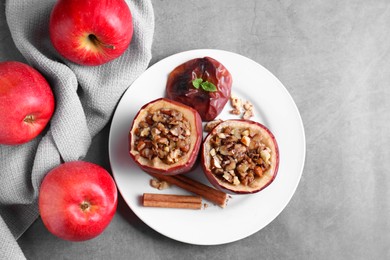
334	58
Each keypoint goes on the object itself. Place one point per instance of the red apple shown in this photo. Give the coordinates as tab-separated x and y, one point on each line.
91	32
26	103
77	200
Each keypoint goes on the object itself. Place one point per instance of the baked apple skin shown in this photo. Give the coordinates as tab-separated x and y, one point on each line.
209	104
183	164
259	183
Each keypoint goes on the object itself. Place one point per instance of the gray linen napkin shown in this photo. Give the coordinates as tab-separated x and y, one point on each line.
85	101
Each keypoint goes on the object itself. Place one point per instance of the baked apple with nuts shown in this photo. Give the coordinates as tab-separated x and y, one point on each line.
240	156
202	83
165	137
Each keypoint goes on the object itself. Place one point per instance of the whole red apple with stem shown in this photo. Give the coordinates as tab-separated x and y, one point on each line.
91	32
77	200
26	103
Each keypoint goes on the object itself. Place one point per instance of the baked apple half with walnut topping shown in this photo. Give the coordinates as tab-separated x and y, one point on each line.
165	137
202	83
240	156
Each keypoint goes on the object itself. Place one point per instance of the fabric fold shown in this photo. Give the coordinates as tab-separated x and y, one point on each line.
86	98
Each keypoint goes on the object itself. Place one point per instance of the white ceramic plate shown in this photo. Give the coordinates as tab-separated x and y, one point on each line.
244	214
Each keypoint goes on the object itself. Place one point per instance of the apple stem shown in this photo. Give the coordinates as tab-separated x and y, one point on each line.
29	119
95	40
85	205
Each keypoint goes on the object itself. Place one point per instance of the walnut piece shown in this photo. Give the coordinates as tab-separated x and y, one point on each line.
245	109
236	102
160	185
210	125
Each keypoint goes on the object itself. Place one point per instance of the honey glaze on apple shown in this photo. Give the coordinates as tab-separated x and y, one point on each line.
164	135
241	155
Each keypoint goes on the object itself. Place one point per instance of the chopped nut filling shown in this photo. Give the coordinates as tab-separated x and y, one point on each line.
239	156
163	135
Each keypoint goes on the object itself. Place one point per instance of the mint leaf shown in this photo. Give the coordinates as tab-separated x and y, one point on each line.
208	86
197	82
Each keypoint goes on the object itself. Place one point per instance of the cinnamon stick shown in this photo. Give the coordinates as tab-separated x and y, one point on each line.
191	185
171	201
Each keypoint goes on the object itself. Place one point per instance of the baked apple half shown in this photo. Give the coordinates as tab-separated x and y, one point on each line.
202	83
240	156
165	137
